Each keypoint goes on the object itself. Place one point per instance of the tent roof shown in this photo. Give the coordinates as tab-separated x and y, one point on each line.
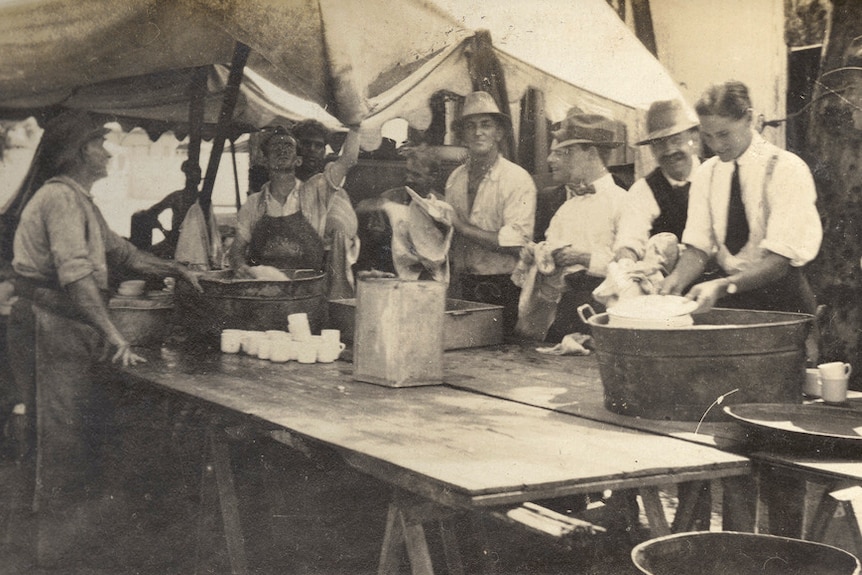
353	60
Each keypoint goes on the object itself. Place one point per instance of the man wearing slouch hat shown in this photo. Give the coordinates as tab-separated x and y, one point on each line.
494	203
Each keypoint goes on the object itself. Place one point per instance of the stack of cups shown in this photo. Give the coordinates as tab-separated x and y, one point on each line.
281	346
833	381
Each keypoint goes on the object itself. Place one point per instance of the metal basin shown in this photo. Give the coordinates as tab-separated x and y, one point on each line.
677	373
726	553
251	304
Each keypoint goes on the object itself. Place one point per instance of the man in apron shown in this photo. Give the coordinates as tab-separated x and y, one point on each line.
752	211
292	224
60	333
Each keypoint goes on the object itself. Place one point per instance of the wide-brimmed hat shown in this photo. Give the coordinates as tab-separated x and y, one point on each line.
66	133
666	118
269	133
581	128
476	103
430	228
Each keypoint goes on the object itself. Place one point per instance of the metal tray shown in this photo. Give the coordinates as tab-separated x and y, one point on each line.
810	429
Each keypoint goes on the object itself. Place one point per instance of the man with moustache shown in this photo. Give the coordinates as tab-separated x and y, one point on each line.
663	193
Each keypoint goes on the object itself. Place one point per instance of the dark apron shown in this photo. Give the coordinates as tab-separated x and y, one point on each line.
287	242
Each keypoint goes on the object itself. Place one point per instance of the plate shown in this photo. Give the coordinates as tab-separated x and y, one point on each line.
653	307
814	429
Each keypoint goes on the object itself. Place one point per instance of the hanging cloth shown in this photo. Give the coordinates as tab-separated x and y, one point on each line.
286	242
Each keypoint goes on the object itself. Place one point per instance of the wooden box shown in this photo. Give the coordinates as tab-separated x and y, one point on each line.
398	334
465	323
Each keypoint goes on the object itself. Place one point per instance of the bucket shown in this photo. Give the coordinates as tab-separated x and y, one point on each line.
677	373
251	304
398	338
725	553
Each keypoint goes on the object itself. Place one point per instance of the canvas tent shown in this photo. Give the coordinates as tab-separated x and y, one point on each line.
354	60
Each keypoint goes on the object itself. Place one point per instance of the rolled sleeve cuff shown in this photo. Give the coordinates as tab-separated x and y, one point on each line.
74	270
798	256
510	236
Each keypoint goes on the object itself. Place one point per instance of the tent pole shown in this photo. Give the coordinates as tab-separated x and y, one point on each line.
196	113
235	175
240	56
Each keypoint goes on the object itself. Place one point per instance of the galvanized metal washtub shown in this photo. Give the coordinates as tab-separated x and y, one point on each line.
726	552
677	373
251	304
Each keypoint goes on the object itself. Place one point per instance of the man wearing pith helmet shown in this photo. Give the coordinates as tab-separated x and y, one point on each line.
673	140
593	227
494	201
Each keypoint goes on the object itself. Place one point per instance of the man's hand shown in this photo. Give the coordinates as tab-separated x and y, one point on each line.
528	253
193	277
125	356
707	294
243	272
671	285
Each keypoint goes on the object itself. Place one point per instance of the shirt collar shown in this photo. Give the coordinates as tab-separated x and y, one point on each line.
72	184
754	150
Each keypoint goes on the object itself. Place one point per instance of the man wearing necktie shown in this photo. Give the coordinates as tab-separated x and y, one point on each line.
595	225
751	210
672	137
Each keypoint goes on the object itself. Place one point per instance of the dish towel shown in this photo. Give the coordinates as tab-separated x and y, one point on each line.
542	285
627	278
195	247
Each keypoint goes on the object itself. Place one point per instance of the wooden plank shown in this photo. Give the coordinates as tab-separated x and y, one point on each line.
654	511
229	505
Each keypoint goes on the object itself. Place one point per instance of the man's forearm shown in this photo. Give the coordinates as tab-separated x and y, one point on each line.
691	264
86	296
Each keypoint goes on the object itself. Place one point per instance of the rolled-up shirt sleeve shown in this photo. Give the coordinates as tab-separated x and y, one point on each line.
66	226
247	217
636	218
519	213
793	228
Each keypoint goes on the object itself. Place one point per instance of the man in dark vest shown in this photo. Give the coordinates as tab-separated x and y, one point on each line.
663	193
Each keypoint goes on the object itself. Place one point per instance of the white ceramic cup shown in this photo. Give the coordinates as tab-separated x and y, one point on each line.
812	386
328	352
280	352
298	325
251	341
306	350
264	347
330	336
834	370
834	390
231	340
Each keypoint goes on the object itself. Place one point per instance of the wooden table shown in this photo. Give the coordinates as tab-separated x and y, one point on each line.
573	385
455	448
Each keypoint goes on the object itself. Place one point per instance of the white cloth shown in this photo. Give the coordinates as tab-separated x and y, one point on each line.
599	224
505	203
195	246
406	259
542	285
627	278
782	218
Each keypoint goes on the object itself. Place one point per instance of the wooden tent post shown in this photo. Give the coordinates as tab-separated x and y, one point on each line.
240	56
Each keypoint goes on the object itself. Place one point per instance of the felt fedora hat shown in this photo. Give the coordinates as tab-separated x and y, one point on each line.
476	103
430	230
666	118
581	128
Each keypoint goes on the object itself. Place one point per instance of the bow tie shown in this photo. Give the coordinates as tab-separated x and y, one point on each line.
579	189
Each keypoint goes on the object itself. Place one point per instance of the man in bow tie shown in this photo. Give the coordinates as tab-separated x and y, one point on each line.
595	225
672	138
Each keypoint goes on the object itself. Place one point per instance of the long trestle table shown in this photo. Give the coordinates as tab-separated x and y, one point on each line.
450	446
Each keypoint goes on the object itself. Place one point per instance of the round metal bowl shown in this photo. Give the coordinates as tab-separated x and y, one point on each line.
251	304
725	553
143	321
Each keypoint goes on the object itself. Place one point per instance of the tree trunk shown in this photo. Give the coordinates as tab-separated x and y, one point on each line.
835	155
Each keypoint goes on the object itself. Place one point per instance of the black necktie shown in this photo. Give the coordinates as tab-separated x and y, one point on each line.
737	224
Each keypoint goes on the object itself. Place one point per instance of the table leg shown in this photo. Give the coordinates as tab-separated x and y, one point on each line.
693	509
405	527
451	549
654	512
229	504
